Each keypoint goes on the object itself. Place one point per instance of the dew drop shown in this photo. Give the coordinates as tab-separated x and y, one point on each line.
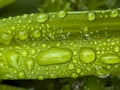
75	52
110	59
36	33
91	16
33	51
21	75
87	55
24	53
54	56
74	61
42	17
22	35
116	49
53	76
114	13
78	70
74	75
5	38
41	77
71	66
12	58
62	14
29	63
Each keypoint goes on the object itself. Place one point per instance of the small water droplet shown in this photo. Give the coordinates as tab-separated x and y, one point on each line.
33	51
21	75
53	76
78	70
116	49
74	75
74	61
62	14
114	13
41	77
44	45
87	55
75	52
36	33
29	63
22	35
42	17
110	59
91	16
24	53
71	66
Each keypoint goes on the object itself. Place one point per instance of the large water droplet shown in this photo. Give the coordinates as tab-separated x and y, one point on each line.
110	59
42	17
5	38
114	13
29	63
54	56
91	16
12	58
87	55
62	14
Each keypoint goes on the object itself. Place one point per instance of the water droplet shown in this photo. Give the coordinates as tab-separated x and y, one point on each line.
12	58
44	45
85	29
24	53
36	33
88	69
71	66
62	14
53	76
110	59
41	77
74	75
29	63
75	52
78	70
33	51
116	49
116	66
58	44
114	13
21	75
22	35
54	56
91	16
74	61
87	55
42	17
5	38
